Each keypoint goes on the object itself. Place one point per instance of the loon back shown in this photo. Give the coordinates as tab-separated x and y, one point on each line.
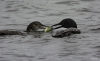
7	32
66	32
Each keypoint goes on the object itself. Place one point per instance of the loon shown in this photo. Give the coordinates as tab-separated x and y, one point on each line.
32	27
68	23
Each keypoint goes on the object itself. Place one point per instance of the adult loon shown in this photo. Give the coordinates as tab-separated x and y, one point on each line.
68	23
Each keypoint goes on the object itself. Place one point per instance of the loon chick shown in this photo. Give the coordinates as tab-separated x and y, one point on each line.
66	23
34	26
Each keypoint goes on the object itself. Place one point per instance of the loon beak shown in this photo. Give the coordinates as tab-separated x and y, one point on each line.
43	26
56	26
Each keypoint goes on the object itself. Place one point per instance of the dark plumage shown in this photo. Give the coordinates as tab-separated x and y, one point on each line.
32	27
66	32
66	23
7	32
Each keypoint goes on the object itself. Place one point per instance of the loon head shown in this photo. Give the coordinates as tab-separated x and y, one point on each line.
66	23
34	26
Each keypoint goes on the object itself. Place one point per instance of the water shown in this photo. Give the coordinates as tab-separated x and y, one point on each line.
17	14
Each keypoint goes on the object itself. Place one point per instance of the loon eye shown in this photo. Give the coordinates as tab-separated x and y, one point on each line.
36	24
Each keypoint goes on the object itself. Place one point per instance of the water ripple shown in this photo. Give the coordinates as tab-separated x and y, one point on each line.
84	10
6	17
18	55
87	10
12	10
87	0
97	30
56	14
67	2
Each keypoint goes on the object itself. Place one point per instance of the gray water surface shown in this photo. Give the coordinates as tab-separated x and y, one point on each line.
17	14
